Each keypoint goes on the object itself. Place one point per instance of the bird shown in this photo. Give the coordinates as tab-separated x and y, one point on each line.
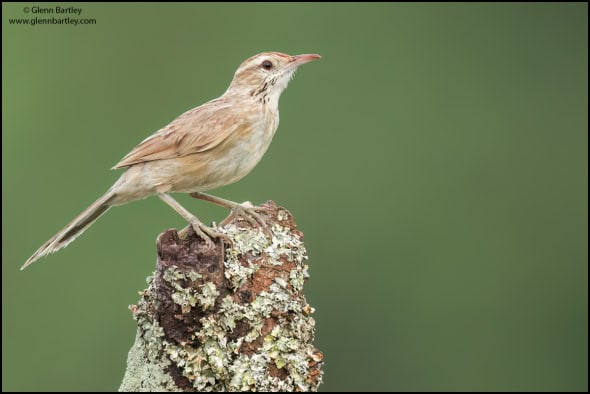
213	145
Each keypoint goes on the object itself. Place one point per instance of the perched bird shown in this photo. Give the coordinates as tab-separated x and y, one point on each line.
205	148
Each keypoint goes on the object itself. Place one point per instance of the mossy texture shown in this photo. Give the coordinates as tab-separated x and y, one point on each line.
229	319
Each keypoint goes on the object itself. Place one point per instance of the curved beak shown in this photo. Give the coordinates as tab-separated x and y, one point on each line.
306	58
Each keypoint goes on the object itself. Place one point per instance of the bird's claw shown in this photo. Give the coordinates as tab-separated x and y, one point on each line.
249	212
207	234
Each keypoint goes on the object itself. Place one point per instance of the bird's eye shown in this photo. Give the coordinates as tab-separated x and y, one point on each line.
267	65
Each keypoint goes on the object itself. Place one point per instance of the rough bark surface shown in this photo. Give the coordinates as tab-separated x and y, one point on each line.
228	318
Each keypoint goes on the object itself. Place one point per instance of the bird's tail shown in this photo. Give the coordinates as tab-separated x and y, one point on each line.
76	227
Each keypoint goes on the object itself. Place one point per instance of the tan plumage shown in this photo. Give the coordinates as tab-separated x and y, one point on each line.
209	146
195	131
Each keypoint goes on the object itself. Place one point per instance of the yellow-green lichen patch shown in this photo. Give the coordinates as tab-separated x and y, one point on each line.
149	329
183	295
186	294
287	244
207	295
248	243
250	326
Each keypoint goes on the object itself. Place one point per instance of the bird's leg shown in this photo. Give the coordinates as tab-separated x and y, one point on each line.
203	231
245	210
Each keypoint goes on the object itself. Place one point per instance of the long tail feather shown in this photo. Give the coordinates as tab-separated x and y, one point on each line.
76	227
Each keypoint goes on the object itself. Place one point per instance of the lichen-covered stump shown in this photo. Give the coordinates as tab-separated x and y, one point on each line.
227	319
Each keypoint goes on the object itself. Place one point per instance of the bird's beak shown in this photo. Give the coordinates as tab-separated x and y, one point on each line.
302	59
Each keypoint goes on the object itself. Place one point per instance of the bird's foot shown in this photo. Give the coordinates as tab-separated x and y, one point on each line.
207	234
249	212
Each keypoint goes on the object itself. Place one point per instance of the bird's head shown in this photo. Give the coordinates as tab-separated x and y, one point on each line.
266	75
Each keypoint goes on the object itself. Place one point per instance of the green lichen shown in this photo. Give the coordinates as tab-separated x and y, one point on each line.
246	242
174	274
185	294
275	327
150	330
146	368
207	295
285	244
146	373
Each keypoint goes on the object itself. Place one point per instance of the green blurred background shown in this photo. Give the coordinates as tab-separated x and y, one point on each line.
436	159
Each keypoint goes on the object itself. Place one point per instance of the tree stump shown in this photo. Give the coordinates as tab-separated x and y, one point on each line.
229	318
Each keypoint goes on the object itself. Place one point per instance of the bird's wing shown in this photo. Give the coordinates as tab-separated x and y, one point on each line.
197	130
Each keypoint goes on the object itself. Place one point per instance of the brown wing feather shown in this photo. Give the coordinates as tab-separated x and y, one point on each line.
197	130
